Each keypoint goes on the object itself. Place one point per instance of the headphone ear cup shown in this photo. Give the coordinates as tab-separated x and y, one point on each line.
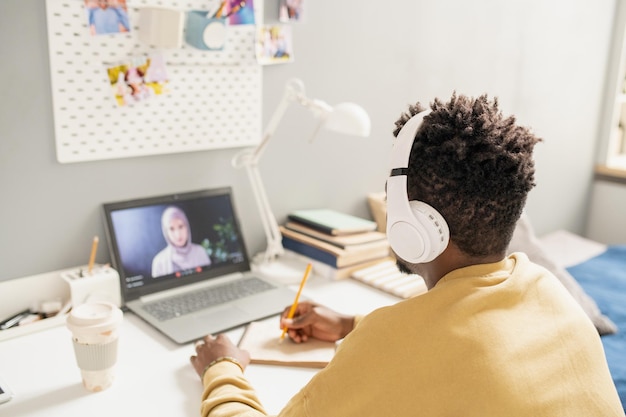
435	227
416	231
421	237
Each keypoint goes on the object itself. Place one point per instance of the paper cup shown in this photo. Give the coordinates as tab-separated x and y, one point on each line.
95	330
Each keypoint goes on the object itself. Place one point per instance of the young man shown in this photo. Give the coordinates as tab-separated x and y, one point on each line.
494	336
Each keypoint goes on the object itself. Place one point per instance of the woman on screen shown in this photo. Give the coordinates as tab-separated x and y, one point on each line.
180	253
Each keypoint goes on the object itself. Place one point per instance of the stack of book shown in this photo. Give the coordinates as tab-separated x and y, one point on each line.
337	244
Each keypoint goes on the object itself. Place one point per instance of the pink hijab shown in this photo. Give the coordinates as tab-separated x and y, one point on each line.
182	257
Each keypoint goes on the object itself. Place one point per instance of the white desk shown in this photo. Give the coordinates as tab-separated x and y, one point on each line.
154	376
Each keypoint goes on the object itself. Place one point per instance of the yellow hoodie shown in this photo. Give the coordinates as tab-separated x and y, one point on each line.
495	340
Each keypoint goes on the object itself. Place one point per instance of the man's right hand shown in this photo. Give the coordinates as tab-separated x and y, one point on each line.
314	320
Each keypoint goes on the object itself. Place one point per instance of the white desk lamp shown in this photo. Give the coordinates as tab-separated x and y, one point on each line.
347	118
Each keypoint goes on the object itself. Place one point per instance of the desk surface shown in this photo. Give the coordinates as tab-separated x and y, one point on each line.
153	374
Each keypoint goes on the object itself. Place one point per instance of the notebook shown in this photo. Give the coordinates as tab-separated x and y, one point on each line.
332	222
177	252
262	340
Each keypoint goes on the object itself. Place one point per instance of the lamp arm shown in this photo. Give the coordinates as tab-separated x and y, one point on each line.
268	220
294	91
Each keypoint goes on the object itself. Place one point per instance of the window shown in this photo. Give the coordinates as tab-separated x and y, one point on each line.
612	154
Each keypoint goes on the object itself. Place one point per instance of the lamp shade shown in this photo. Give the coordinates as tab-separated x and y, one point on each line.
349	119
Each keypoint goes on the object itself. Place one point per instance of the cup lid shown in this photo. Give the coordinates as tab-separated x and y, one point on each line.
94	316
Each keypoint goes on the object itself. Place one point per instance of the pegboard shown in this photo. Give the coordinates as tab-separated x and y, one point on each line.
213	99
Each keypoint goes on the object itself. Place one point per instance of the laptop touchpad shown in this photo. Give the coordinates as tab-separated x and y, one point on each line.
222	318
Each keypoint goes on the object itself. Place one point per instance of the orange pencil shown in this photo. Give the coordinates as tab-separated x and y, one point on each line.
219	11
295	302
92	257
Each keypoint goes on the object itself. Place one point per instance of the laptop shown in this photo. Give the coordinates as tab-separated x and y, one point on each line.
183	264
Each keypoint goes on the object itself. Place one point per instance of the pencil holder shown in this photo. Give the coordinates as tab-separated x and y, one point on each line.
101	284
203	32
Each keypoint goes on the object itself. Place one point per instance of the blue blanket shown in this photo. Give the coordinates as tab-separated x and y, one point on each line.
604	279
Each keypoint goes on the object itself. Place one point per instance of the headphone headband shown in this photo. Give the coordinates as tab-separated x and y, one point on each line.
404	142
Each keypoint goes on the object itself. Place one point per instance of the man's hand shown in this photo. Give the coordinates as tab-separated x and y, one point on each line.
313	320
211	348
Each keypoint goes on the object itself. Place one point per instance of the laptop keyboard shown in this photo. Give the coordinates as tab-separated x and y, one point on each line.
180	305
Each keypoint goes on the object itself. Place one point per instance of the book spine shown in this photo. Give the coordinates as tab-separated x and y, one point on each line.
319	227
311	241
322	269
311	232
309	251
355	240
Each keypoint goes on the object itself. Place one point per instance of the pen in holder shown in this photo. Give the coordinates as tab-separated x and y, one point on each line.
101	284
204	32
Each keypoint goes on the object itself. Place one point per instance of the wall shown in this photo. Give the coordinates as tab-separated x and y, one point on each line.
607	208
545	61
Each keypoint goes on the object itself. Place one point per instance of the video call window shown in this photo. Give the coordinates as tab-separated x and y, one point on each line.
174	238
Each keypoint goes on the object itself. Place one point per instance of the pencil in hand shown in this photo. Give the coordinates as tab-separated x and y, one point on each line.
294	306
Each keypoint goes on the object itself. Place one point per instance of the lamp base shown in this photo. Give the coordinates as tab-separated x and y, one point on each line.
287	269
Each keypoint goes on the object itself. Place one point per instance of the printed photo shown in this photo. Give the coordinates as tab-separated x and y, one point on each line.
107	16
291	11
274	44
238	12
138	80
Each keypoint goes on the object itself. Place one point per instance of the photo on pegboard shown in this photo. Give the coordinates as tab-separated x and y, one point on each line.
291	11
140	79
238	12
107	17
274	44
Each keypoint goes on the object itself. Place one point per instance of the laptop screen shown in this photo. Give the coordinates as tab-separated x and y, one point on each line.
163	242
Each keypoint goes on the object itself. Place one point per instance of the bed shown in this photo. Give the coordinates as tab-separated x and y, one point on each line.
600	270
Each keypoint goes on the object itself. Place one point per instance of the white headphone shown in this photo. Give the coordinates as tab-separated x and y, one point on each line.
416	231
